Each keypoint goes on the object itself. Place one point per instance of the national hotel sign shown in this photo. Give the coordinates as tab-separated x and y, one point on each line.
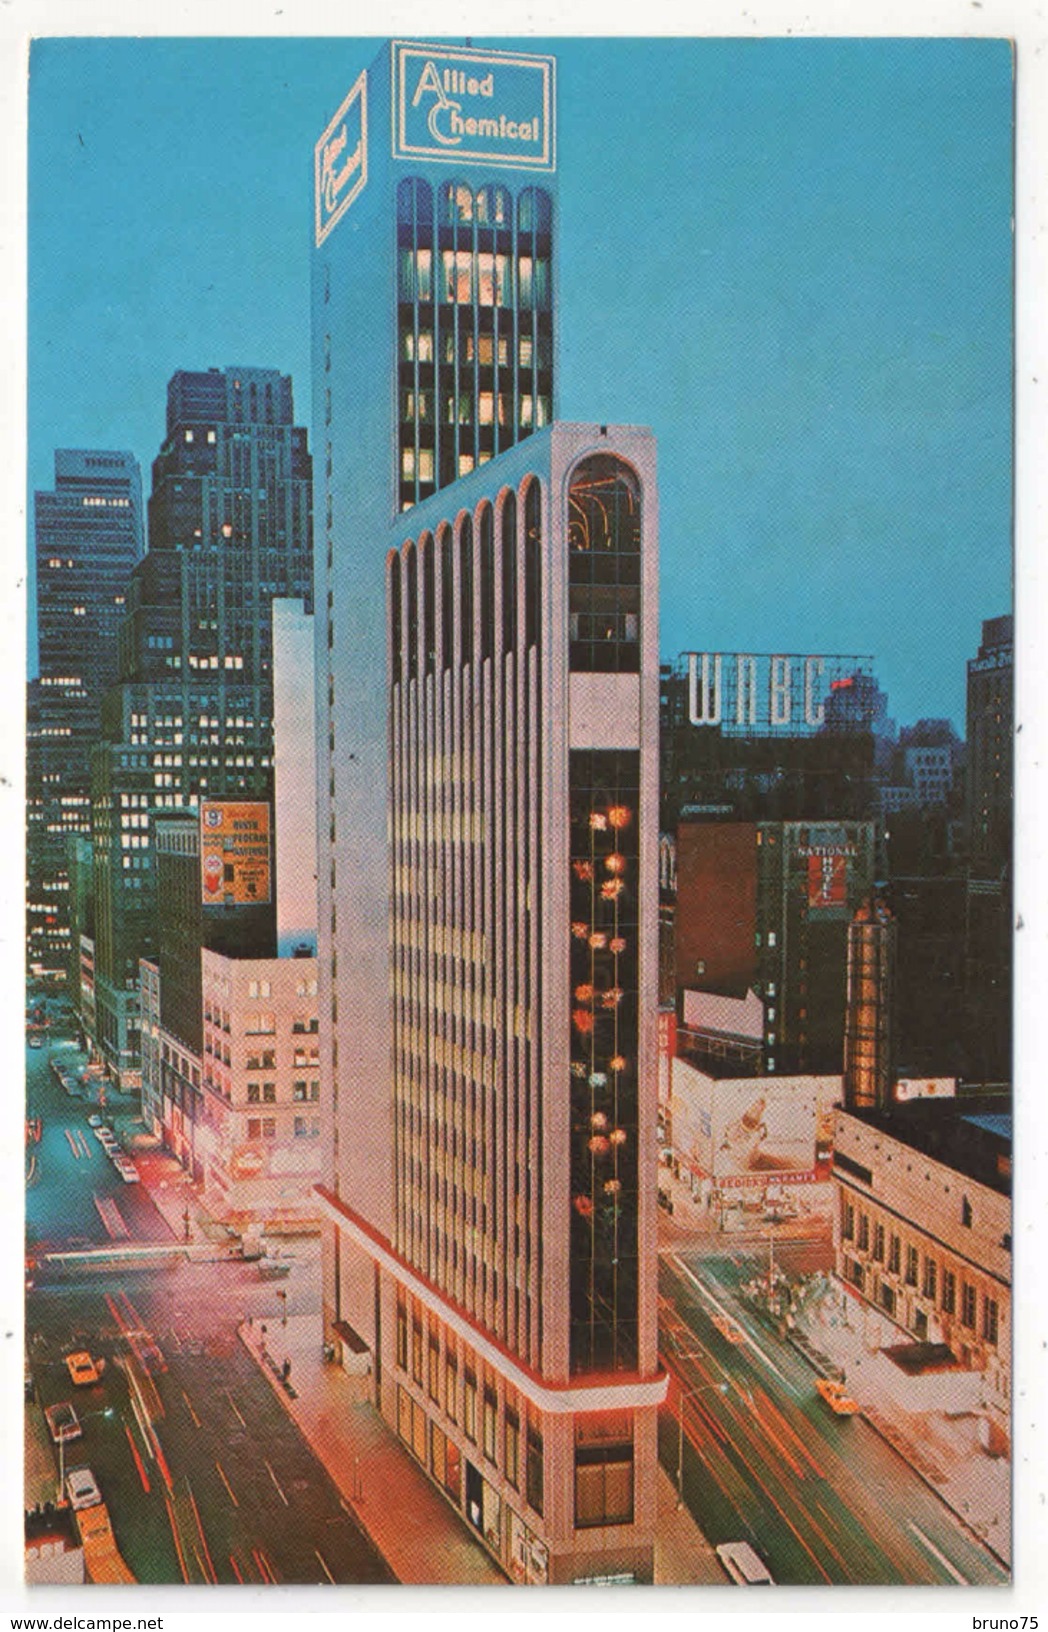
449	105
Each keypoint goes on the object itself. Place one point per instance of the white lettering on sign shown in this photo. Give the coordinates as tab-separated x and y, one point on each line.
340	161
490	107
727	689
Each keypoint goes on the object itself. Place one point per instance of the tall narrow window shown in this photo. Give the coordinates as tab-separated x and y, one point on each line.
532	564
509	573
604	567
466	589
487	583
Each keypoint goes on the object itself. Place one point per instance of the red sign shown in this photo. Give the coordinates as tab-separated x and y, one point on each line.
667	1033
827	881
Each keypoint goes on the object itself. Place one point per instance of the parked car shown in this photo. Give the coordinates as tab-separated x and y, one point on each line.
82	1488
837	1400
63	1422
94	1120
82	1369
127	1169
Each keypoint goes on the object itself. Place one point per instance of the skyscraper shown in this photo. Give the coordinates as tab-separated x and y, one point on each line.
487	782
88	538
191	717
990	687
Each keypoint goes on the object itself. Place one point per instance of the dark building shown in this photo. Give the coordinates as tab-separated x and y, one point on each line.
191	718
762	917
990	709
746	738
88	536
988	925
930	1020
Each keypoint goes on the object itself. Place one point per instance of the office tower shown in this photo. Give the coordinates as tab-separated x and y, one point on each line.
761	934
990	684
88	536
294	776
230	1073
487	726
191	717
988	913
868	1054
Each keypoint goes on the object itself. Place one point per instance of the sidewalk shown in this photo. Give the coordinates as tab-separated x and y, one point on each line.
943	1448
683	1556
422	1540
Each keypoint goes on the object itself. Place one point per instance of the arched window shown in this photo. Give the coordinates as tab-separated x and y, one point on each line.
466	589
415	203
532	564
604	567
395	620
447	598
509	573
456	202
494	207
535	210
487	583
411	570
429	622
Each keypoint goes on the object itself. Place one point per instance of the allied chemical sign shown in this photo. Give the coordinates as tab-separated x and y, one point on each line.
234	853
482	107
340	161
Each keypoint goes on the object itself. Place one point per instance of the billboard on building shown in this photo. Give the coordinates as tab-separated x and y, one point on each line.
458	105
740	1130
235	853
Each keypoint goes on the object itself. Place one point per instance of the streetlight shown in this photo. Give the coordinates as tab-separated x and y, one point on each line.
684	1396
282	1295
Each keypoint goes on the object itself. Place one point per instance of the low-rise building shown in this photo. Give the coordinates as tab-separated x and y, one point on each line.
922	1229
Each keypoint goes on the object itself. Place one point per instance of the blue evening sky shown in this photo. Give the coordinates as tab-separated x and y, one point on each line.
791	258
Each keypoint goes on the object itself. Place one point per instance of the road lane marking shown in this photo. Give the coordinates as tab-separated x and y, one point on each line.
232	1403
178	1542
276	1482
236	1569
74	1147
324	1567
200	1532
750	1339
225	1481
961	1580
189	1408
139	1464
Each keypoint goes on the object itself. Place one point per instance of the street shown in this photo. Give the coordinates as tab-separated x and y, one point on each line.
205	1476
821	1497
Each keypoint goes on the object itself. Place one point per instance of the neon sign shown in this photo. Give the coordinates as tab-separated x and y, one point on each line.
491	107
340	161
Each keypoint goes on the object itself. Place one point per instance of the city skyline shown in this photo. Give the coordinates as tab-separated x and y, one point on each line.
552	1091
845	376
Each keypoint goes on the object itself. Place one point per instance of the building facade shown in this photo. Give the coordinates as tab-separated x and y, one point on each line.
761	931
191	717
488	889
88	536
990	725
745	736
922	1227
